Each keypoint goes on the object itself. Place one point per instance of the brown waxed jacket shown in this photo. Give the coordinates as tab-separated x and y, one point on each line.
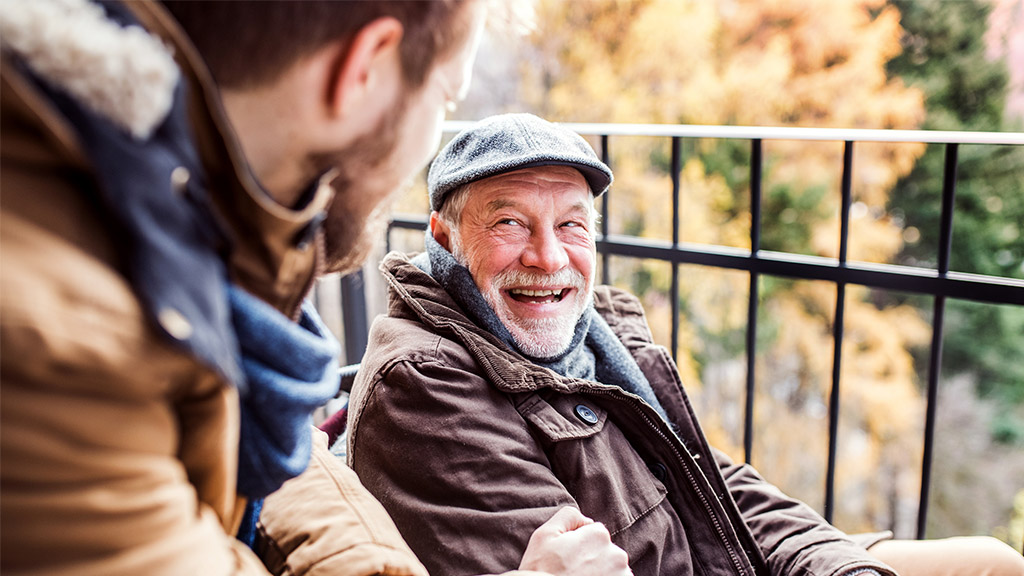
120	451
484	445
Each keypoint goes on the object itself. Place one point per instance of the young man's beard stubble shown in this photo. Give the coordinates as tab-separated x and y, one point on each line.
357	217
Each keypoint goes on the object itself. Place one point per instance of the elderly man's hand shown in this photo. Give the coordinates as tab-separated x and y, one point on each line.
570	544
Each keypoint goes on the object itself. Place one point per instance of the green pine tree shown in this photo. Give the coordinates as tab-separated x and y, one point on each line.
944	55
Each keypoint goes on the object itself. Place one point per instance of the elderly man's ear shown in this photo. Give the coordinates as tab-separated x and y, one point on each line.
440	231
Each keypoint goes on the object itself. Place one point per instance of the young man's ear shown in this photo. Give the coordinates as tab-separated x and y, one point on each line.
440	231
364	66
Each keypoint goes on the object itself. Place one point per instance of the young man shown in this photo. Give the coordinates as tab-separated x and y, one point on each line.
509	386
159	230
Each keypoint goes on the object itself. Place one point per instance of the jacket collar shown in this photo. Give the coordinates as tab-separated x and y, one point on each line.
122	74
215	224
413	291
275	252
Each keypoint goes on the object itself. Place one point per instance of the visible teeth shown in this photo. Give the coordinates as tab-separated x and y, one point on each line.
535	293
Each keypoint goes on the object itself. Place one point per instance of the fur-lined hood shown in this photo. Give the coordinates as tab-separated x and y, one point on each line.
122	74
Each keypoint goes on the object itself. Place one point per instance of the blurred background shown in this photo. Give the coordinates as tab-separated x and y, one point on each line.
920	64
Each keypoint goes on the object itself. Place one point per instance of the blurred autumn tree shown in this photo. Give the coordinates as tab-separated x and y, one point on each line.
964	90
794	62
945	56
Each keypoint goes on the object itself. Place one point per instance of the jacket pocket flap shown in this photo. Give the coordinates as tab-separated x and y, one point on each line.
566	419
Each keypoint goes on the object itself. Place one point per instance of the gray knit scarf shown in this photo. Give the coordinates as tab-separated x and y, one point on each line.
595	352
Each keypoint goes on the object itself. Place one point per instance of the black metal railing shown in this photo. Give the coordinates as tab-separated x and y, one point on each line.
940	283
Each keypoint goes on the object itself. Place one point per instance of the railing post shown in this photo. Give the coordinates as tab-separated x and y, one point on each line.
752	297
837	332
938	317
353	313
606	274
676	168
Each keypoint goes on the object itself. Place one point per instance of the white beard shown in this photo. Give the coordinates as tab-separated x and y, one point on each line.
536	337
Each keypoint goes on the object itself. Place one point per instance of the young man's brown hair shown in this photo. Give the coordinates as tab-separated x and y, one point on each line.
249	43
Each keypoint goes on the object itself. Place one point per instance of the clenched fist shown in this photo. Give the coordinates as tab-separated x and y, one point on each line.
570	544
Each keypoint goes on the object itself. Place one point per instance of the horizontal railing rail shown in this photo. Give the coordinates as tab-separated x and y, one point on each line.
780	133
940	282
960	285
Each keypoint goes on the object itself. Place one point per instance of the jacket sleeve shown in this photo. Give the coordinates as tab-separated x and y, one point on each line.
420	430
325	522
792	536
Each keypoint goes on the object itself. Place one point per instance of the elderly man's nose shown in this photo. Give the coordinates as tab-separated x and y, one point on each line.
545	253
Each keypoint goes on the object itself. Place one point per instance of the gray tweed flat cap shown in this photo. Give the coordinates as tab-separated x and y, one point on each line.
510	142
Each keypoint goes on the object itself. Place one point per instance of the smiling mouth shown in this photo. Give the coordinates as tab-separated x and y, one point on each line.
538	296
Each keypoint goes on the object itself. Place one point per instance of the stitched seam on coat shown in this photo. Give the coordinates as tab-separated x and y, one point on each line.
378	567
272	543
356	415
642	514
558	433
372	535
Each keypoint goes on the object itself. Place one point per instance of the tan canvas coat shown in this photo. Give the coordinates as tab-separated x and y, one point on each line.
119	451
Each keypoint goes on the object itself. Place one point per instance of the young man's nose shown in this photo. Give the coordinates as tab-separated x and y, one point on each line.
545	252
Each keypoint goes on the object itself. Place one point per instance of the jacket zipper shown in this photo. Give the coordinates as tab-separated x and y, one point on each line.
689	474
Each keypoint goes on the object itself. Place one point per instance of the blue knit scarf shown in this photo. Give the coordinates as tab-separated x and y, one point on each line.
290	370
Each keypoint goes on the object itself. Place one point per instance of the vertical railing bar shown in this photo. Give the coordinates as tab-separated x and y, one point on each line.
948	195
676	168
837	332
847	192
752	297
935	361
353	313
833	401
934	369
605	257
756	161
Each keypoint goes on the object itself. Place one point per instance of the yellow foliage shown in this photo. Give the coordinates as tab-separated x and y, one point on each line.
792	62
872	239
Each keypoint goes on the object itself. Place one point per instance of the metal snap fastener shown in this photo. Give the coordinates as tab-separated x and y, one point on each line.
586	414
660	471
179	180
304	238
175	323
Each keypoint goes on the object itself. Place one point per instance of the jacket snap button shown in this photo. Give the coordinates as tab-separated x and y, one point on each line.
586	414
660	471
175	323
179	180
304	238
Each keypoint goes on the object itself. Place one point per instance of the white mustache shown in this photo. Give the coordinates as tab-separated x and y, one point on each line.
566	277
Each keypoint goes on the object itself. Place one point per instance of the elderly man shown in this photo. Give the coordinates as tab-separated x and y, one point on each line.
508	385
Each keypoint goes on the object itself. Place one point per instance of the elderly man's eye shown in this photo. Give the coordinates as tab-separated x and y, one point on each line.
509	221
